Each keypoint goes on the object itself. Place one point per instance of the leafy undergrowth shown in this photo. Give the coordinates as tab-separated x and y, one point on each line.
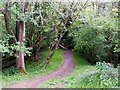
104	76
86	76
34	69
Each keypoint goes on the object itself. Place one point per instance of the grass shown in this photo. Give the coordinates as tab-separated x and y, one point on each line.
84	76
34	69
82	67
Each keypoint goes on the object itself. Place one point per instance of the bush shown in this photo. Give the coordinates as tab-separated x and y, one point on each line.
10	71
96	38
105	77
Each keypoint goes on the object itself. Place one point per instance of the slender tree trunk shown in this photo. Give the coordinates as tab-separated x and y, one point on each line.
7	22
21	39
66	23
51	53
20	28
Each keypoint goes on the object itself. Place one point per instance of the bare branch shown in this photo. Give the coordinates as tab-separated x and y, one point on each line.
85	4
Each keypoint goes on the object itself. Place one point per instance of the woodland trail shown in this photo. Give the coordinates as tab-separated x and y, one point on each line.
65	70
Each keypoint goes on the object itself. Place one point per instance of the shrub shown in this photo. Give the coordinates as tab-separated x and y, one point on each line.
106	76
10	71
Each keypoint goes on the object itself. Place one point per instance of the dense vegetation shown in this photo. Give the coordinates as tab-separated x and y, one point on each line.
33	31
96	35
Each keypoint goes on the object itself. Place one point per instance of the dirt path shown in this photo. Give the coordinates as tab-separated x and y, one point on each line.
66	69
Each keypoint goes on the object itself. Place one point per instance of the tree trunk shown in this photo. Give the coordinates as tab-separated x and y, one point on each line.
7	22
21	38
66	22
20	59
50	54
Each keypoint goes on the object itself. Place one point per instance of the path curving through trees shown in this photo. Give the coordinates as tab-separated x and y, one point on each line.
66	69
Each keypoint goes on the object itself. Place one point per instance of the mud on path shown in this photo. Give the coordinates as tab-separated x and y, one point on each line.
65	70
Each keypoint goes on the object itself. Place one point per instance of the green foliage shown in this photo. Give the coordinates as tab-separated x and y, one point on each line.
45	20
105	77
107	73
6	48
3	48
17	47
10	71
96	37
